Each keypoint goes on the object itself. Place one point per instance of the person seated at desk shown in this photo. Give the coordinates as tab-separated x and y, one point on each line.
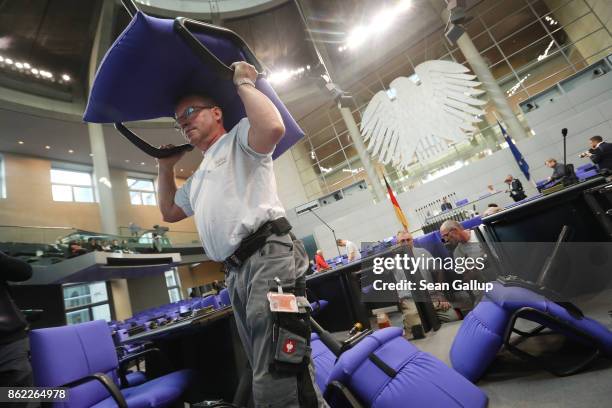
75	249
517	193
445	308
558	169
352	251
320	263
466	246
600	153
446	205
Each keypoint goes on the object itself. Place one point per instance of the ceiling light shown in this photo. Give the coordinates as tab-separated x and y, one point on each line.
142	163
90	154
9	61
1	58
34	71
20	141
181	169
19	65
65	77
70	151
47	147
127	160
26	65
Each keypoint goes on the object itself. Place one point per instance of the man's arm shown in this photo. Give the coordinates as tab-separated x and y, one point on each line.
13	269
595	155
166	189
267	126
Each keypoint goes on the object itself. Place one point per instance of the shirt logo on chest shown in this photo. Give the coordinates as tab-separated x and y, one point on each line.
220	162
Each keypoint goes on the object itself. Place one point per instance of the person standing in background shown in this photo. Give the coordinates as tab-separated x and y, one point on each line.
516	188
600	153
352	251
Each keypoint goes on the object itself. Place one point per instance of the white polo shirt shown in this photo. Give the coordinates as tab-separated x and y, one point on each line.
232	193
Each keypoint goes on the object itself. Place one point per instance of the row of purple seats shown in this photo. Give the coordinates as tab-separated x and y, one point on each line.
151	318
82	357
583	175
384	370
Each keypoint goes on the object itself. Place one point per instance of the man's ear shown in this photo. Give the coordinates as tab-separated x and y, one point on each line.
218	114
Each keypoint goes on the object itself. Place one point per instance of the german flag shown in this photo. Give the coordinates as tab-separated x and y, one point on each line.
398	210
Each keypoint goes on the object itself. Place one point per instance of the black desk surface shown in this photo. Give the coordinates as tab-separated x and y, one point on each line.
175	327
542	219
549	199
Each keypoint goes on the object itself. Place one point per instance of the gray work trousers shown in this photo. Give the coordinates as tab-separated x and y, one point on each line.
248	288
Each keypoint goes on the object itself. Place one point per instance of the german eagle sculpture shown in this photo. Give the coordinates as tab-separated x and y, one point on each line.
418	119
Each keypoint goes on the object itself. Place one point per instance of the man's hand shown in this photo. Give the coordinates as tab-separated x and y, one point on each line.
168	163
244	70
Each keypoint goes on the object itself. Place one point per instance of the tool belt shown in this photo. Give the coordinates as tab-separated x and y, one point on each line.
256	241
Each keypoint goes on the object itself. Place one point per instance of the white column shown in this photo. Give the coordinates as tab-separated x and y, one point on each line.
108	216
353	130
489	84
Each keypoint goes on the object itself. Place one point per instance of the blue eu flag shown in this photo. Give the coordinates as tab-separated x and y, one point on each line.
520	160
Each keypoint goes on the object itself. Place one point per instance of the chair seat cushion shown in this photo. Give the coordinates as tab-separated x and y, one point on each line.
157	393
420	380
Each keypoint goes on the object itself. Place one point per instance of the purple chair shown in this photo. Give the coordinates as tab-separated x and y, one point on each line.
490	325
83	358
224	298
126	88
318	306
472	222
461	203
432	242
384	370
323	360
208	301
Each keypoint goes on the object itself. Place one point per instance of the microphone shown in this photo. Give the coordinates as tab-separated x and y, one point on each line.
564	132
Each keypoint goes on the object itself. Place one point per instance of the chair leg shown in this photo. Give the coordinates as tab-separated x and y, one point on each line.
511	345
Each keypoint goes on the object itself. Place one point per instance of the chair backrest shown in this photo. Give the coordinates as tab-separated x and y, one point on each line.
462	202
224	298
208	301
472	222
432	242
61	355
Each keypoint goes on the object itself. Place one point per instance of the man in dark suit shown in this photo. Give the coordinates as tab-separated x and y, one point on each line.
558	169
516	188
600	153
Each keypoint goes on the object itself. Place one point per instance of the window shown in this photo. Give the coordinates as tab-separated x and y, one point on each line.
2	178
142	191
69	185
174	286
87	302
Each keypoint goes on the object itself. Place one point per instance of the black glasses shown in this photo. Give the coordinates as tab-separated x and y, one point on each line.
190	110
